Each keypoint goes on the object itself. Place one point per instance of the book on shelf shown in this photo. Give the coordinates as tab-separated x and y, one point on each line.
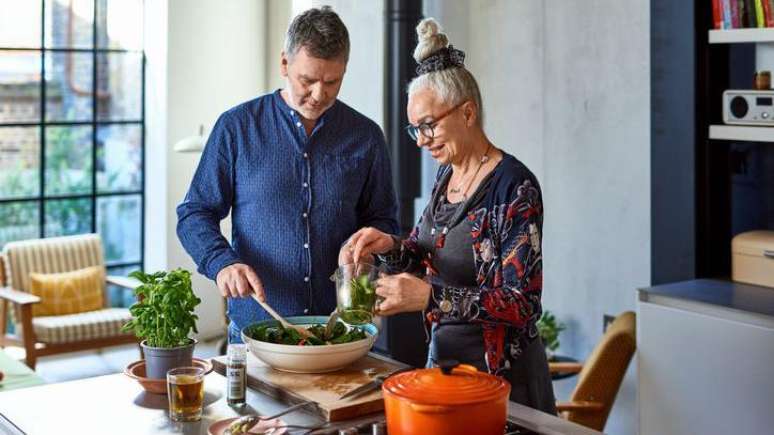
759	19
742	14
767	13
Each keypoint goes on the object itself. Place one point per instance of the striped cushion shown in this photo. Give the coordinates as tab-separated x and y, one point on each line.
68	292
82	326
51	255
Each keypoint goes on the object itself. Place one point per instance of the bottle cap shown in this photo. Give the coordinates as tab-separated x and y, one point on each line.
237	350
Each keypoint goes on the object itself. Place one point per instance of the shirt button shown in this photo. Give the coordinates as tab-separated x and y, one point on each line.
305	215
306	156
306	310
306	279
305	184
306	245
298	124
292	113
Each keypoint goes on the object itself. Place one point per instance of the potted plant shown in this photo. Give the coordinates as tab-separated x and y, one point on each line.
549	329
163	316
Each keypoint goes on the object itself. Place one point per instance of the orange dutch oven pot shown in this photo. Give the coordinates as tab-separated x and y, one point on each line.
452	400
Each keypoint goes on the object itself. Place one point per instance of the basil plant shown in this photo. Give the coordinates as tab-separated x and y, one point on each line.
164	312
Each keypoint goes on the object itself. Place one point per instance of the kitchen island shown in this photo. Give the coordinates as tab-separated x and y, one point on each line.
116	404
704	355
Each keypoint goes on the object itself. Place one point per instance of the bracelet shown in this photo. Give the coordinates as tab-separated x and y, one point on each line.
396	242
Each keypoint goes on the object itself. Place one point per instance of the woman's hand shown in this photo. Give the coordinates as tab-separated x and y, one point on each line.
402	293
364	243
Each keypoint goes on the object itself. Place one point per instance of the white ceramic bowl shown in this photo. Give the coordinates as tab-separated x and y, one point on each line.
310	359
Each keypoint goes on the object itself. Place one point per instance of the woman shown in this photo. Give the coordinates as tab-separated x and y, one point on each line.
473	263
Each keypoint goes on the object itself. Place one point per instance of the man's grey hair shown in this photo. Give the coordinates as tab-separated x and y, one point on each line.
321	32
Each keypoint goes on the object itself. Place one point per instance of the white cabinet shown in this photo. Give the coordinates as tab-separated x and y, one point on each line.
704	367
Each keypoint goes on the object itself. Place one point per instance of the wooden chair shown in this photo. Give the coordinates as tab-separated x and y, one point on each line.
600	376
49	335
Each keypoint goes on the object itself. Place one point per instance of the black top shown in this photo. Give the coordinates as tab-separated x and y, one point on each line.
454	262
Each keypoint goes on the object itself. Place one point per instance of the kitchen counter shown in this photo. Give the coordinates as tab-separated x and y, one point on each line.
116	404
744	298
704	352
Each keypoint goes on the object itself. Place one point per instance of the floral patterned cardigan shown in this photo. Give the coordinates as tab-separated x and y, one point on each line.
506	246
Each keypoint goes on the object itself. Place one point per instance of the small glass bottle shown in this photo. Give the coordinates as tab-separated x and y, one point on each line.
236	374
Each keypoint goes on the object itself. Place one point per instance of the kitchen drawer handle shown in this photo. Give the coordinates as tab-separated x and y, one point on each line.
768	254
430	409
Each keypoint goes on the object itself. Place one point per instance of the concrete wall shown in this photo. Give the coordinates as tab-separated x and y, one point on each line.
597	160
566	89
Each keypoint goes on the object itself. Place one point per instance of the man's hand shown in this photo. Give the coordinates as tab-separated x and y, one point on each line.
364	243
238	281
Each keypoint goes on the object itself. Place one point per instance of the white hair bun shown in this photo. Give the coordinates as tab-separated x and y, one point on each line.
429	39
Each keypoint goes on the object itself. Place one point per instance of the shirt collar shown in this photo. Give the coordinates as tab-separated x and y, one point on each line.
293	115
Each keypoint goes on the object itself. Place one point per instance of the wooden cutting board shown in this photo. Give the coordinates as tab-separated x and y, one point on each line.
323	388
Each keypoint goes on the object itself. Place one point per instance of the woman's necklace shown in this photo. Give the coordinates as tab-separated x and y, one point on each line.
484	159
440	240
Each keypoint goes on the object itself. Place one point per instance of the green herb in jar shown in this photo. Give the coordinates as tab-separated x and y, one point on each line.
362	299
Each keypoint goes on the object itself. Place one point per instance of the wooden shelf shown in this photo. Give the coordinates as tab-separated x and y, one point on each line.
742	133
764	34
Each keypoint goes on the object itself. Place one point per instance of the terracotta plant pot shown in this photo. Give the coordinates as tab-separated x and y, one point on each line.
159	360
454	400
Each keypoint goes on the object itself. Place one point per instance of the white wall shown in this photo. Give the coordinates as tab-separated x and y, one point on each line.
215	59
566	89
156	136
279	14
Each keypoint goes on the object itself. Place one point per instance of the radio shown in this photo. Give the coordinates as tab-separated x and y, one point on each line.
748	107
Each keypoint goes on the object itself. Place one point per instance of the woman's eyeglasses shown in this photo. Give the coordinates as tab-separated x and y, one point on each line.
426	129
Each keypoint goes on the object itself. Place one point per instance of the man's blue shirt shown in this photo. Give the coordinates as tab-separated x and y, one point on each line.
294	199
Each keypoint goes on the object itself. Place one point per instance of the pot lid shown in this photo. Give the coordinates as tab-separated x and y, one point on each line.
450	384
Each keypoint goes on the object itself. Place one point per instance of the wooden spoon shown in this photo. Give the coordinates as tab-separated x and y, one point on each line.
285	324
334	317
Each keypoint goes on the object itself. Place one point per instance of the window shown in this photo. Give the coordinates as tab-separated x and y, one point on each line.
72	124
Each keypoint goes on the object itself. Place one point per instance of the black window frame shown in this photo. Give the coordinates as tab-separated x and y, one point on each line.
94	195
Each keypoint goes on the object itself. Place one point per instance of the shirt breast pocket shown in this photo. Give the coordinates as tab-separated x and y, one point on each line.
343	179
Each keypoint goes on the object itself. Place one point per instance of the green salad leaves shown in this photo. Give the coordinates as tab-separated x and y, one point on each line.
362	300
276	333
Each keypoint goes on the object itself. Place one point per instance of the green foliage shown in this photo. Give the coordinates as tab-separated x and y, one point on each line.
68	160
19	180
362	298
276	333
164	314
549	329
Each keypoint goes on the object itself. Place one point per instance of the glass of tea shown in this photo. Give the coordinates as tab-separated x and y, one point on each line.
185	389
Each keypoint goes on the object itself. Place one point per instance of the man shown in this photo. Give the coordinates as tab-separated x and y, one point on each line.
299	171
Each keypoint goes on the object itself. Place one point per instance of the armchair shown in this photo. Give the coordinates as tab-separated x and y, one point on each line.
48	335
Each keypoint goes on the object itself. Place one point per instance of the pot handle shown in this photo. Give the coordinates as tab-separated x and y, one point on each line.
429	409
448	366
